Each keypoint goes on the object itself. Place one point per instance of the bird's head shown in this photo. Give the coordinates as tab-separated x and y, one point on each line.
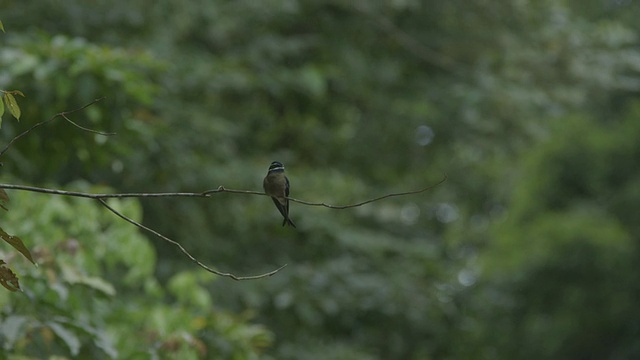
276	166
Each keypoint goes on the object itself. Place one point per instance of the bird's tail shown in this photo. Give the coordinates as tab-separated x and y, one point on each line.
288	221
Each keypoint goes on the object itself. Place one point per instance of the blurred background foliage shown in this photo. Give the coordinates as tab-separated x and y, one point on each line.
529	250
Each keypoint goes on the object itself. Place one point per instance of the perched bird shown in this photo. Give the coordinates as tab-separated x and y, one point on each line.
276	185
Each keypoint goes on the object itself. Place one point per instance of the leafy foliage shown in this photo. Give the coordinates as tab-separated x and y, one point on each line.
97	272
66	73
11	104
563	263
8	278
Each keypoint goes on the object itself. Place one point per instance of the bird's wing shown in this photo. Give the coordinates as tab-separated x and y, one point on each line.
284	209
286	186
286	193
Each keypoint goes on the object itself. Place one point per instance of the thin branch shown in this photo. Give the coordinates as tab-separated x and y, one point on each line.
339	207
62	114
101	198
87	129
184	251
206	194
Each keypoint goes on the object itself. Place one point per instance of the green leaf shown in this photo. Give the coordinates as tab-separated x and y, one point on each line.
12	104
1	111
100	337
67	336
12	329
1	26
73	276
103	342
17	243
187	288
4	198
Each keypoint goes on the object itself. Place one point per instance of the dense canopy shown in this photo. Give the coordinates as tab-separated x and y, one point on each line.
529	250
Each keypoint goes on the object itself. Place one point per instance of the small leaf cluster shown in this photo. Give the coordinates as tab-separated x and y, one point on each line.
9	98
8	278
11	104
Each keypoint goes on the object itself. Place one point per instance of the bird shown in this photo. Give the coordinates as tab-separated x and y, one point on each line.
276	185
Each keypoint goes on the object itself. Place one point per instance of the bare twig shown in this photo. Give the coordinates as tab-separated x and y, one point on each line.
184	251
207	193
339	207
61	114
101	198
86	129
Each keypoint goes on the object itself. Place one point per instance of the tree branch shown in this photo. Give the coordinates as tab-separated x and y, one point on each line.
184	251
340	207
61	114
101	198
64	115
208	193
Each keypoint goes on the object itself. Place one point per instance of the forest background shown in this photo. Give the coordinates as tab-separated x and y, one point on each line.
529	250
